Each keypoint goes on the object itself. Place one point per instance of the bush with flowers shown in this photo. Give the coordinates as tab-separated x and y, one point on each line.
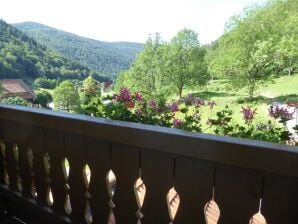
186	114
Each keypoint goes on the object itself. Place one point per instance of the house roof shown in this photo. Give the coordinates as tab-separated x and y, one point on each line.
16	87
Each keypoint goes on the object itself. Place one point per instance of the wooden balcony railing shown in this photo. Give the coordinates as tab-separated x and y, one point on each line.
65	168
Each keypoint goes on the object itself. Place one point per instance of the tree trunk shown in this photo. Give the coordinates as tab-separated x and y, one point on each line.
180	89
290	69
251	89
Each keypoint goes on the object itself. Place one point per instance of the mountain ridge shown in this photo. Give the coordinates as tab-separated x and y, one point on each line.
109	58
78	35
23	57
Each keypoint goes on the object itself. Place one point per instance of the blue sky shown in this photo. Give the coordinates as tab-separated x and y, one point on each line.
127	20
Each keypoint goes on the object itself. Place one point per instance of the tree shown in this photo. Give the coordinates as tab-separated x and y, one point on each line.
43	98
147	72
162	67
186	61
258	43
93	106
90	96
90	87
43	82
286	48
66	97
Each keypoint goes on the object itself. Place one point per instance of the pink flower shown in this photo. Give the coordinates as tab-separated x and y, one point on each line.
280	112
138	96
174	107
177	123
190	99
152	104
200	102
211	104
248	113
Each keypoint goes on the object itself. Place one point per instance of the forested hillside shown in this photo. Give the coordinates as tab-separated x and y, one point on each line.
109	58
257	45
22	57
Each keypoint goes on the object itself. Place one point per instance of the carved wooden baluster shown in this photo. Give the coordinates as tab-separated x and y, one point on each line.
15	150
173	202
140	192
65	169
5	173
31	161
47	166
111	185
211	209
212	212
87	178
258	218
173	198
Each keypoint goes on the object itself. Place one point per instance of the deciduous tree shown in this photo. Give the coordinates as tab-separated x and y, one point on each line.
66	97
258	43
186	64
43	98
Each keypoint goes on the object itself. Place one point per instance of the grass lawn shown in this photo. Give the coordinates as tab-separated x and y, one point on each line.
282	90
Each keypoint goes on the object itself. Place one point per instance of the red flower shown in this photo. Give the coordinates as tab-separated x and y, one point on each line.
123	96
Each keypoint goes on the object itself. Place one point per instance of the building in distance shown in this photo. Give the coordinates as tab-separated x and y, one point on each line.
16	87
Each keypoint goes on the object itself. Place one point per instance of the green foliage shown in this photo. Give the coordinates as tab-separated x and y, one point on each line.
270	131
43	82
147	72
90	87
24	58
186	64
257	44
15	100
163	68
43	98
296	129
66	97
1	89
93	106
106	58
120	81
191	119
90	96
186	114
222	123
